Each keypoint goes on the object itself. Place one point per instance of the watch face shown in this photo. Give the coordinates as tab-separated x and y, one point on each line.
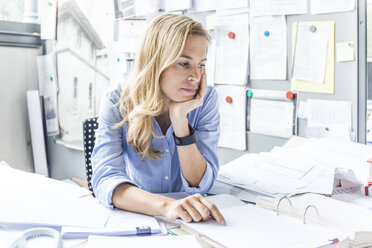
177	141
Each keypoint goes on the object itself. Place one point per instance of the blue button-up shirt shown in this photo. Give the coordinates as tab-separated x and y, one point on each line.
114	162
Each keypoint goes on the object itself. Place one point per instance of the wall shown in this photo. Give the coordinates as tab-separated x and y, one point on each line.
18	74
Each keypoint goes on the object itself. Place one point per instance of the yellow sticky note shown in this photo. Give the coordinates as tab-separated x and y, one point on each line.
345	51
328	86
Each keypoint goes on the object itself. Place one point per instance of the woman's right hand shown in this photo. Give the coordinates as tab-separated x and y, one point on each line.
193	208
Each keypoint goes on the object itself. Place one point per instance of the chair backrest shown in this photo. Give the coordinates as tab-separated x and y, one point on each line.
89	128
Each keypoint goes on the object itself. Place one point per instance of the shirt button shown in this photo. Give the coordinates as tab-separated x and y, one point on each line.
167	150
166	177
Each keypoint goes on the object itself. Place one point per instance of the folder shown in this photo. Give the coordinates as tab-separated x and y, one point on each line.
352	224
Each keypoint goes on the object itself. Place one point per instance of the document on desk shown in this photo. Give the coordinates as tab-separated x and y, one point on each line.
310	54
268	48
282	172
330	6
278	7
247	224
183	241
120	223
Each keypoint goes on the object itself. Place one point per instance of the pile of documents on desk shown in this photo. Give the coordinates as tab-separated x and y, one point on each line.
32	200
310	167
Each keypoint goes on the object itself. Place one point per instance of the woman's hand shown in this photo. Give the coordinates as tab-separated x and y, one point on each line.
193	208
179	110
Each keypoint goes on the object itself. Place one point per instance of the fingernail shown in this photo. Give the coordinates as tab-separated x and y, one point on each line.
223	222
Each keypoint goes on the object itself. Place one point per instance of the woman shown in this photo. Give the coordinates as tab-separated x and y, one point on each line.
160	133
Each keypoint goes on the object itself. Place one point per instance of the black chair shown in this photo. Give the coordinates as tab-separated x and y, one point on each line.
89	129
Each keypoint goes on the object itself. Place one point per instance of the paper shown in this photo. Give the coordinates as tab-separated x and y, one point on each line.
171	5
311	52
271	113
329	6
268	48
118	64
302	110
232	102
120	223
183	241
324	112
329	75
232	36
232	4
278	7
37	132
248	224
48	86
284	172
204	5
210	67
345	51
48	19
130	34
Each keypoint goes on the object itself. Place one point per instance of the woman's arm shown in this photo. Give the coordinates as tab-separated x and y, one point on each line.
191	208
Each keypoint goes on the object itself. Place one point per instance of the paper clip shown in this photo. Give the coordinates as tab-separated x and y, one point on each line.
307	209
277	206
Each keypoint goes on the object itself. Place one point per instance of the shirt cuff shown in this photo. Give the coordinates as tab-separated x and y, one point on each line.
204	185
104	194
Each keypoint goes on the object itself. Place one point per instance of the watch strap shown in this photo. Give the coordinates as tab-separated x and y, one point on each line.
188	140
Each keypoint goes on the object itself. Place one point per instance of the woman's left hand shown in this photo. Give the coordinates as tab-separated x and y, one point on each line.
179	110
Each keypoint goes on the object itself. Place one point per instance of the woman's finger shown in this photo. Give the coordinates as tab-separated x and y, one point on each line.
216	214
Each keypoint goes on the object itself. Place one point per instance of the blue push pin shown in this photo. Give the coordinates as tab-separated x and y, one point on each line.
267	33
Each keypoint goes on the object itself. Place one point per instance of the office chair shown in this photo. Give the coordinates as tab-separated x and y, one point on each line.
89	128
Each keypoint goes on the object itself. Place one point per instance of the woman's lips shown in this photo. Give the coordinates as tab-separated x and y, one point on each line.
189	90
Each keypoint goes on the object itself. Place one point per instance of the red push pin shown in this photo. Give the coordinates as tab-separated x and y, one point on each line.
231	35
289	95
228	99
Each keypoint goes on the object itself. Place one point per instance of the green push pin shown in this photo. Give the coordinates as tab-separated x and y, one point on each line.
50	4
51	78
118	59
55	141
249	93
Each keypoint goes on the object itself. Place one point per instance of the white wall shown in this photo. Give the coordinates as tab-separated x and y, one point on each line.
18	73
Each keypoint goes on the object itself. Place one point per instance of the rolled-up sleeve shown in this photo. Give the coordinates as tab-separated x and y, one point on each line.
107	157
207	129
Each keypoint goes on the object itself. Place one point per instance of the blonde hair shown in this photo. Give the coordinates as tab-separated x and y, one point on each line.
141	99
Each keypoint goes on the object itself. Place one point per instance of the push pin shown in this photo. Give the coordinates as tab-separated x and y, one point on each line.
228	99
289	95
231	35
266	33
249	93
312	28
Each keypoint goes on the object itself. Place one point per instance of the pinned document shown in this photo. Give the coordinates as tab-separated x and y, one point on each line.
278	7
232	36
48	19
271	112
268	48
330	6
130	34
345	51
327	84
232	101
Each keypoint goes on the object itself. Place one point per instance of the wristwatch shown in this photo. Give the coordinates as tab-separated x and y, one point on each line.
188	140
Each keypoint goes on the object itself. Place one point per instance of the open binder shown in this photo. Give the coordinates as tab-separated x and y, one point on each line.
351	224
252	226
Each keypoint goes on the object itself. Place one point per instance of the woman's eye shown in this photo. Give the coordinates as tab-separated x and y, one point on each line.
201	66
183	64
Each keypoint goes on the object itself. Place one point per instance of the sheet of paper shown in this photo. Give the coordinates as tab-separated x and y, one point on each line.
329	78
120	223
171	5
210	68
232	36
118	65
48	19
278	7
339	132
232	102
311	52
48	87
251	225
302	110
345	51
204	5
130	34
330	6
271	117
233	4
268	48
183	241
328	112
283	172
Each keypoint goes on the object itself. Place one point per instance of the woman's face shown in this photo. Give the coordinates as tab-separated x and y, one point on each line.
181	81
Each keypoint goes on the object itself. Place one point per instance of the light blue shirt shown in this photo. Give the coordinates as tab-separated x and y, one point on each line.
114	162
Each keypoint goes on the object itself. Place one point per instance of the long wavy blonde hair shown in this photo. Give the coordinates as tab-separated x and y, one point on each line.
141	99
